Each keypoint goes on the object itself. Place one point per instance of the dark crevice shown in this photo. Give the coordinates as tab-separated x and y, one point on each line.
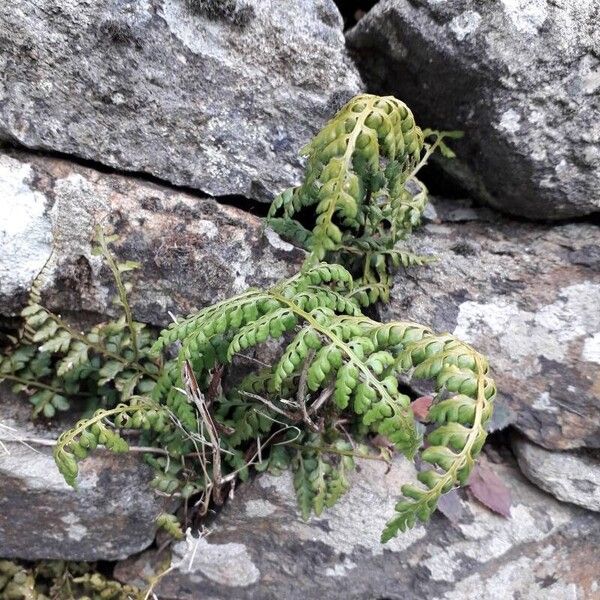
354	10
239	201
441	184
590	219
438	182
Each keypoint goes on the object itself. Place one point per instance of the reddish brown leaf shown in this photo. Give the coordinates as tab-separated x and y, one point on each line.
420	407
489	489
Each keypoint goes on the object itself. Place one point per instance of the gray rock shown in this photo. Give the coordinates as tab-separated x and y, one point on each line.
110	516
258	547
193	251
522	79
216	95
569	476
528	297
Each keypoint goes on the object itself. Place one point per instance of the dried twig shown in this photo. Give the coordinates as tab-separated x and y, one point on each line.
323	397
285	413
214	387
197	397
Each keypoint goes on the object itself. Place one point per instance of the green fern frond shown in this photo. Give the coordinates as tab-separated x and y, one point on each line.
346	163
171	525
339	341
76	443
321	473
455	442
57	362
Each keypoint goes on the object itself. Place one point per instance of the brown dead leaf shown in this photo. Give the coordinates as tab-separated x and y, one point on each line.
489	489
420	407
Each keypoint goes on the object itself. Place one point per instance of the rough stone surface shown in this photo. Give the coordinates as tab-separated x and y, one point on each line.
528	297
219	96
258	547
522	79
569	476
109	517
193	251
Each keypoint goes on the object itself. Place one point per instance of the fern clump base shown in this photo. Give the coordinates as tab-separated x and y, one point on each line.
339	374
337	378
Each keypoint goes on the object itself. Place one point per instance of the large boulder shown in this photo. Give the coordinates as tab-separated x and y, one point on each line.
522	79
569	476
216	95
192	250
259	547
528	297
110	515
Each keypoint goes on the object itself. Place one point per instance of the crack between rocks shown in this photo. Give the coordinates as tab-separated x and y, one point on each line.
260	209
591	219
349	9
239	201
494	216
487	213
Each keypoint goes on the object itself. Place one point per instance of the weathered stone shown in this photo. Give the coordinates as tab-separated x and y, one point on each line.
110	515
528	297
522	79
258	547
569	476
193	251
214	95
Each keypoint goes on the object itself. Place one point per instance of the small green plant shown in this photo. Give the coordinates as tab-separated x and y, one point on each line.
57	579
336	380
54	362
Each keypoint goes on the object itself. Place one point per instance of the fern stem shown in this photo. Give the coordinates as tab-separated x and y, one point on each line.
122	292
430	150
349	152
38	384
72	433
332	450
52	442
366	288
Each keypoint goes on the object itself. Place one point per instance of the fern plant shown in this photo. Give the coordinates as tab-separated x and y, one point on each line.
336	379
343	364
56	579
55	362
